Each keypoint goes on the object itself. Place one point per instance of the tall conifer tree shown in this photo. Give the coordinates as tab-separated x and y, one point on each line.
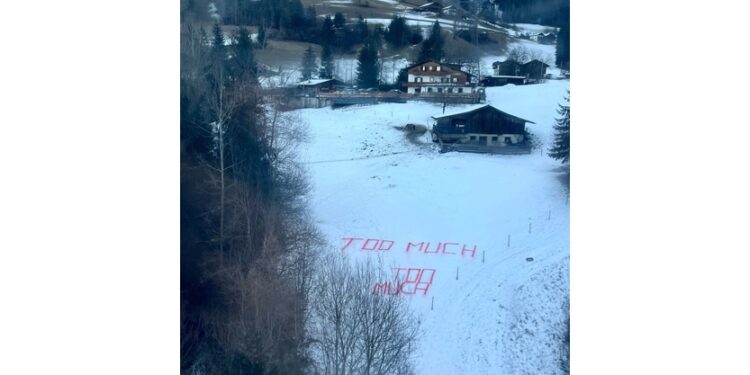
561	147
368	66
309	65
326	60
432	47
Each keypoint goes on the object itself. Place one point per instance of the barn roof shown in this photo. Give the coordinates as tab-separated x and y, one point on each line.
457	67
477	108
315	82
541	62
430	4
505	76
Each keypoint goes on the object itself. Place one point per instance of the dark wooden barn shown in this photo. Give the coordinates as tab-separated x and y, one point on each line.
534	69
313	87
507	68
503	80
484	125
546	38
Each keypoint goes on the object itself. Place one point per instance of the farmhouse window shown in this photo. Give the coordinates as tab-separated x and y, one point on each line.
494	139
460	90
429	89
455	79
438	68
473	138
423	67
440	89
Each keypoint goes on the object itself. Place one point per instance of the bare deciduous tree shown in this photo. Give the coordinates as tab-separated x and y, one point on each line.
518	54
356	331
522	55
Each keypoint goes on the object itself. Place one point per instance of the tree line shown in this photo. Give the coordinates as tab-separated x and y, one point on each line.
252	286
397	35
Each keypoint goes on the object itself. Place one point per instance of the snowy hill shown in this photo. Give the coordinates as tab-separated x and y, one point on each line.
499	305
285	56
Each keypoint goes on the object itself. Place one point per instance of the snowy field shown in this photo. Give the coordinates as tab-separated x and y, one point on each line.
500	306
413	19
534	28
345	69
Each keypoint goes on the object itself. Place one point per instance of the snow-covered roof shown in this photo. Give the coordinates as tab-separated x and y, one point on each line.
314	82
429	5
541	62
470	109
476	108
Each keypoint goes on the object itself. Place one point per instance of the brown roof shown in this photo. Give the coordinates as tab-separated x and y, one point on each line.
450	68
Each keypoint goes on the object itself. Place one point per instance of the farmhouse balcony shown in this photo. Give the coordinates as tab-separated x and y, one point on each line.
438	84
446	94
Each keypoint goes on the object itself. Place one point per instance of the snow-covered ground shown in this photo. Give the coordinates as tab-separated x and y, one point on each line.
345	69
497	311
534	28
425	21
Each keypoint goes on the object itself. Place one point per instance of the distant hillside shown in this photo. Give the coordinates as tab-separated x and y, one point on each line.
542	12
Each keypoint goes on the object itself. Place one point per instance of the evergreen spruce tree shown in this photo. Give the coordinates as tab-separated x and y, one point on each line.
326	60
368	66
562	48
244	58
561	147
362	31
311	17
376	37
217	40
398	33
309	65
339	21
402	79
437	41
327	33
425	50
415	35
432	48
295	15
218	55
261	36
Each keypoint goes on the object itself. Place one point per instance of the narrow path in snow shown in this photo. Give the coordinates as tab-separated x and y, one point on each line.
362	158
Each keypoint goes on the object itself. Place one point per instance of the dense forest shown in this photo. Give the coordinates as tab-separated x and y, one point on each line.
244	237
544	12
249	248
284	20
